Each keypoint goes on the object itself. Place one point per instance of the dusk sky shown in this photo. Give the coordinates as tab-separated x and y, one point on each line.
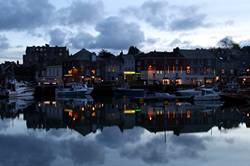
115	25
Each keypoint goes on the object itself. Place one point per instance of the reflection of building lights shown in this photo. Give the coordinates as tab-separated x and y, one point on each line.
188	69
188	114
129	72
70	114
93	114
68	110
129	111
150	67
217	78
46	102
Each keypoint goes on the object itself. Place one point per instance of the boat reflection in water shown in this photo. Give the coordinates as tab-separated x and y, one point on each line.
86	116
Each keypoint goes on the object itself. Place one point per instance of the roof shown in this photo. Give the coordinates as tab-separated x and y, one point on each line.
198	53
159	54
83	54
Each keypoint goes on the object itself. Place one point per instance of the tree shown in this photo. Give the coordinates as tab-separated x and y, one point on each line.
227	42
133	50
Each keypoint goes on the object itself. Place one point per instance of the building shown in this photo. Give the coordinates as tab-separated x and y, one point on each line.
81	66
165	67
110	66
200	66
39	57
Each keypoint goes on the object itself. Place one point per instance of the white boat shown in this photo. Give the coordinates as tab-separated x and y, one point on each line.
73	90
189	92
203	94
207	94
20	90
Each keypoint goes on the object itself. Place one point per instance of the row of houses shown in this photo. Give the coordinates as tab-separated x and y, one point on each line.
196	66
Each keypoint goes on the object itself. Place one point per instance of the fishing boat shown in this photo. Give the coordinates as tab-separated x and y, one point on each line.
73	90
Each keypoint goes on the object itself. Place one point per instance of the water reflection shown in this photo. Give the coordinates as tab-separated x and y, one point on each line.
86	116
120	132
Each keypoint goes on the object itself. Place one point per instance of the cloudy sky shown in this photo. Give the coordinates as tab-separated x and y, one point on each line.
115	25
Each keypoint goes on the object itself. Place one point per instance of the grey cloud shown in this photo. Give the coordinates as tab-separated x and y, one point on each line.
117	34
188	22
183	44
4	42
31	150
245	43
57	37
162	15
113	138
81	12
156	151
179	43
114	33
24	14
81	40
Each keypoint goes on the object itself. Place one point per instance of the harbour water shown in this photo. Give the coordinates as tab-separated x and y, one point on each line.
113	132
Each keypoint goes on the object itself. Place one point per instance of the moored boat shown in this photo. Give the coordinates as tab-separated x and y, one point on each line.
203	94
20	90
73	90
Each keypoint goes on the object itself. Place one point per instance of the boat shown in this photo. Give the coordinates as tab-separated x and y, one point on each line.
129	92
207	95
162	96
202	94
188	92
73	90
20	90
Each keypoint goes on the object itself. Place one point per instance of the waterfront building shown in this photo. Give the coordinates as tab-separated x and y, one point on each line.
200	66
81	67
165	67
39	57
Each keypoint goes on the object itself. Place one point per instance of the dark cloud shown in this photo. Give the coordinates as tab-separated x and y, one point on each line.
81	40
188	22
3	42
113	138
156	151
114	33
81	12
153	12
57	37
162	15
24	14
30	150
